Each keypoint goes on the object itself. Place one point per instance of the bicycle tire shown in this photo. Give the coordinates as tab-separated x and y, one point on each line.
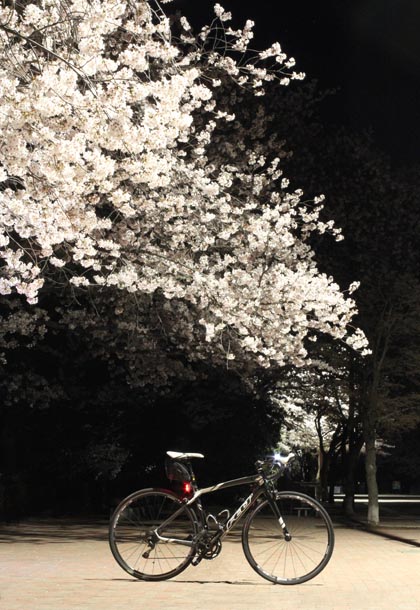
294	561
130	535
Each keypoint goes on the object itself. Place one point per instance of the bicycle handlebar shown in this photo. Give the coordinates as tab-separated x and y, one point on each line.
277	463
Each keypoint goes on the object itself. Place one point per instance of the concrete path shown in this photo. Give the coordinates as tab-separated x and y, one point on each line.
58	565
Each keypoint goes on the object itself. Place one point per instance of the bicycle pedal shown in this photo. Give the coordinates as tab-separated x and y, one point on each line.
196	560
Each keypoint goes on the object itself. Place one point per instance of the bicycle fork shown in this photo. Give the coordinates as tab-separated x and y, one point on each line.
275	508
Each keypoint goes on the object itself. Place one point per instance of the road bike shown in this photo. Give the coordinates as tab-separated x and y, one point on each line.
287	536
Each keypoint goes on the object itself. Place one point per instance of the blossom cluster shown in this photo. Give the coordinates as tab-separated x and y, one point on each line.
108	176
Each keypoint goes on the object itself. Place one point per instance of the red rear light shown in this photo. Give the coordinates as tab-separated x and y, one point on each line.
187	488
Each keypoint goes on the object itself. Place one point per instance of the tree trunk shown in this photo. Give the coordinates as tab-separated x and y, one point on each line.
321	491
349	485
371	482
324	478
331	484
371	409
355	446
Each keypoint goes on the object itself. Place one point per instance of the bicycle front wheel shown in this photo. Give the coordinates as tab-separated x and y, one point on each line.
292	548
151	534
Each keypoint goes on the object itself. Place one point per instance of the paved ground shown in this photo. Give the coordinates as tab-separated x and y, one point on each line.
397	521
67	566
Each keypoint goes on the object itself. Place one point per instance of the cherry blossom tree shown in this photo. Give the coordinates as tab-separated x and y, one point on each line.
109	115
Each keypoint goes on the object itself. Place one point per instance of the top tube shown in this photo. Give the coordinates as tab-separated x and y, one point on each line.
255	478
258	478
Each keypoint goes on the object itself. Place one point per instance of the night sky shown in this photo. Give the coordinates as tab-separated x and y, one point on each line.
369	49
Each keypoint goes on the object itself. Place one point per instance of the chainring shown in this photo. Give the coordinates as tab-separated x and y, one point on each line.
213	551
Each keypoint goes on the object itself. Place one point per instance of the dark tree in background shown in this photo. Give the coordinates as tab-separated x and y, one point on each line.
76	436
377	205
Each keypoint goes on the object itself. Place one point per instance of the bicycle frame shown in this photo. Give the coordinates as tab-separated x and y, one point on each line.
223	530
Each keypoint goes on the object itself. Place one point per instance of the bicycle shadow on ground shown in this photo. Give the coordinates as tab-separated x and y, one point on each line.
200	581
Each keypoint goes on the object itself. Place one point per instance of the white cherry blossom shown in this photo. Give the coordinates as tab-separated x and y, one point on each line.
108	178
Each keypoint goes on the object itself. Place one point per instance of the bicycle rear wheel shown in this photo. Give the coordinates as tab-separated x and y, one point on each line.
135	544
293	559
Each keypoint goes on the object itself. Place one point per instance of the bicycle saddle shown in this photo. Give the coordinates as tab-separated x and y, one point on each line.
177	455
